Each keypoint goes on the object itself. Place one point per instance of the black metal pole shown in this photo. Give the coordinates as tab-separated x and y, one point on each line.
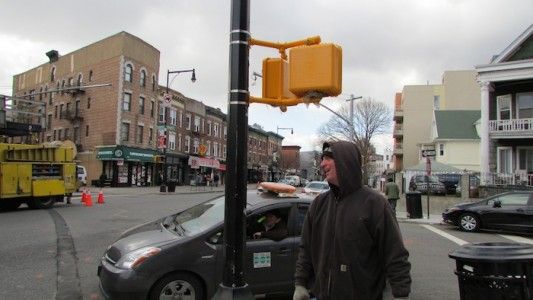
233	285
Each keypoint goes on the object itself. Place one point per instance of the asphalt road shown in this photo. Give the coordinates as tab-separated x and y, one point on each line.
54	254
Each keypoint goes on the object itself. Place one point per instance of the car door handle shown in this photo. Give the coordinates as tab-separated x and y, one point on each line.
284	250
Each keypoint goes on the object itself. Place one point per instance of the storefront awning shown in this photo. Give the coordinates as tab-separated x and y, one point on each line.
125	153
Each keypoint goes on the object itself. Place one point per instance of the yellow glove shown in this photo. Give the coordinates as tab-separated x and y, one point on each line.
300	293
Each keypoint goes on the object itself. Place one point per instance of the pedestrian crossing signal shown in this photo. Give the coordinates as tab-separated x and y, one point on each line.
159	159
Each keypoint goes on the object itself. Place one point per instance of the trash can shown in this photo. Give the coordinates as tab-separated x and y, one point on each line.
413	204
171	186
493	271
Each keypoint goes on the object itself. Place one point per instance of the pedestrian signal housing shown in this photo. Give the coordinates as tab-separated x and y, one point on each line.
316	68
276	78
160	159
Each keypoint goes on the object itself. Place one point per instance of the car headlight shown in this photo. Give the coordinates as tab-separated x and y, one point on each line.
137	257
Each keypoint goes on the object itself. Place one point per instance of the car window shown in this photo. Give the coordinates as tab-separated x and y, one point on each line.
318	185
261	226
514	199
200	217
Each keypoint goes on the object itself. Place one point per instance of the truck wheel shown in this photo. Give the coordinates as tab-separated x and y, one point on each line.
41	202
9	204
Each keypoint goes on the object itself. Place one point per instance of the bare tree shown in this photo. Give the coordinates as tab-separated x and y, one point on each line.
370	118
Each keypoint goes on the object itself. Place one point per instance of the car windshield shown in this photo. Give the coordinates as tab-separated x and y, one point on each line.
200	217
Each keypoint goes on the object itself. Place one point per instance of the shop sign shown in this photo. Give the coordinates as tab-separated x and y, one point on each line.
125	153
197	162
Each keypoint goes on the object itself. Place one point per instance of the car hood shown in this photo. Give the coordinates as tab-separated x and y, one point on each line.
464	205
144	235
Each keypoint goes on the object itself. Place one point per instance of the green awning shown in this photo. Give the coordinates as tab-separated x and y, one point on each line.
125	153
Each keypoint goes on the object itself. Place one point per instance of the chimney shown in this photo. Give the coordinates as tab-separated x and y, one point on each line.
53	55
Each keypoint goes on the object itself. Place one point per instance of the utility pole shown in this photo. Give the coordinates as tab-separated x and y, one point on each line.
351	99
233	284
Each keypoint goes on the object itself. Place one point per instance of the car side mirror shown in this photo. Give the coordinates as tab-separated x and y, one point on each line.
497	203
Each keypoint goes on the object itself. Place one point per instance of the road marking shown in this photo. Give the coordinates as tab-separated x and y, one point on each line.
446	235
517	239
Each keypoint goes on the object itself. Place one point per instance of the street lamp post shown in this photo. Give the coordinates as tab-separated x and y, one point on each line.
351	99
167	98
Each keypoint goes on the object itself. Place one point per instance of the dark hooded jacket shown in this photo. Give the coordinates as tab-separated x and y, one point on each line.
351	242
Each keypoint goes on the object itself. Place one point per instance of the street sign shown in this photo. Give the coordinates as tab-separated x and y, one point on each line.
167	97
429	153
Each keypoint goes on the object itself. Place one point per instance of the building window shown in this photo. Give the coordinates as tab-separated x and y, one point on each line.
49	123
195	146
87	130
436	102
62	86
441	149
197	122
125	131
208	152
55	135
128	73
161	114
88	102
79	80
215	130
188	121
141	105
143	78
61	113
153	82
67	134
173	114
179	141
76	135
140	130
91	75
181	118
172	141
53	76
126	102
524	105
187	143
150	136
215	149
225	133
152	108
504	107
59	134
505	160
55	112
208	127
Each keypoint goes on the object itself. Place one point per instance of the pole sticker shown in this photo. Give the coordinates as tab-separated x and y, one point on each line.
262	260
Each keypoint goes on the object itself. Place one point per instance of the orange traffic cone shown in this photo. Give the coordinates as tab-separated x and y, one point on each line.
83	196
101	197
88	199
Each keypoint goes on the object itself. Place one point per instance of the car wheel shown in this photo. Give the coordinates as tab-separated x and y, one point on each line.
177	286
469	222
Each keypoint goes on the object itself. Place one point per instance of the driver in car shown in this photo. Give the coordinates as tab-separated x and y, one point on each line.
274	227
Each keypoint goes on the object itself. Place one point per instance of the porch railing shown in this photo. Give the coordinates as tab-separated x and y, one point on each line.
513	125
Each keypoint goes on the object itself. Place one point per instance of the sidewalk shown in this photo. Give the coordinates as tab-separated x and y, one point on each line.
436	206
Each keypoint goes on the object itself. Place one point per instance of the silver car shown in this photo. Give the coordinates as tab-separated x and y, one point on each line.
181	256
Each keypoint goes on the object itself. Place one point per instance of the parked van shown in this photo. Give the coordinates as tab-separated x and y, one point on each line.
82	175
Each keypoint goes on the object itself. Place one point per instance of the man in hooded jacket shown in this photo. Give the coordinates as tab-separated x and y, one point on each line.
351	243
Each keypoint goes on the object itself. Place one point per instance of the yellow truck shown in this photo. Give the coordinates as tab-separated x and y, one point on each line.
38	175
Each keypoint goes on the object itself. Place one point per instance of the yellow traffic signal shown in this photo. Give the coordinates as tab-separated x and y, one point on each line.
276	78
315	68
159	159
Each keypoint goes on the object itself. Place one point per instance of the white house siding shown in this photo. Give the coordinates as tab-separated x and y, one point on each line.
459	154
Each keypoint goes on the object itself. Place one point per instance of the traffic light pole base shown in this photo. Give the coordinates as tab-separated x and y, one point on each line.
233	293
163	188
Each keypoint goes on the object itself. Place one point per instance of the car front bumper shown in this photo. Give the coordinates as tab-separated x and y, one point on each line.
118	283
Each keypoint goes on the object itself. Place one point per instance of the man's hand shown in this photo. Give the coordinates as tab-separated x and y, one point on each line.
300	293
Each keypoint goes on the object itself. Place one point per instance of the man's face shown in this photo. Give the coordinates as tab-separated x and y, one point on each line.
328	166
271	220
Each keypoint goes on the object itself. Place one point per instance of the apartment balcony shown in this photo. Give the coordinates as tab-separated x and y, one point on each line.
398	114
398	131
514	128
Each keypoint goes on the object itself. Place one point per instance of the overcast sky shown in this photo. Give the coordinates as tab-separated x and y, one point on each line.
386	43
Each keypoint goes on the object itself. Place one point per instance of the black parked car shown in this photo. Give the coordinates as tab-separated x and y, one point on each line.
511	211
181	256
